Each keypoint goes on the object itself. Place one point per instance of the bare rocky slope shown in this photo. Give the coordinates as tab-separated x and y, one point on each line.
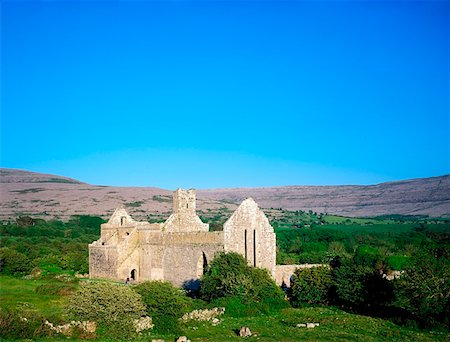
43	195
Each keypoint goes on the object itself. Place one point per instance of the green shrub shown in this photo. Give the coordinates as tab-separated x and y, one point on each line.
311	285
229	276
265	293
14	263
16	325
424	288
164	303
360	286
106	303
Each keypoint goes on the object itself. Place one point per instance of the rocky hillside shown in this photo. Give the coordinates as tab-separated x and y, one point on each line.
30	193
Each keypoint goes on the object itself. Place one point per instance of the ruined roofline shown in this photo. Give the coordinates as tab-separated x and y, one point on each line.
183	217
179	249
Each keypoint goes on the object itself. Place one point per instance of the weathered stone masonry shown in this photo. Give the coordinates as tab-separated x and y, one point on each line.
179	249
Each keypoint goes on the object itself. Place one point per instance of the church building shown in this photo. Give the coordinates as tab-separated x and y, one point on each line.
179	249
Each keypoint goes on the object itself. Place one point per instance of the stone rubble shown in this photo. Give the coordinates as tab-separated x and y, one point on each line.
245	332
66	329
204	315
143	323
307	325
183	339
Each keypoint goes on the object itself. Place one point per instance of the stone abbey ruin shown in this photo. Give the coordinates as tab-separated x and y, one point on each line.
180	249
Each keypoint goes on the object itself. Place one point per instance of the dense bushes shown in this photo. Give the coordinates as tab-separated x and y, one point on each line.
114	306
360	254
348	283
13	263
421	294
164	303
360	286
229	276
391	242
52	245
424	287
311	285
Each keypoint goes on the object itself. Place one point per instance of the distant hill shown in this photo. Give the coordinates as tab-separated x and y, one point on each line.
43	195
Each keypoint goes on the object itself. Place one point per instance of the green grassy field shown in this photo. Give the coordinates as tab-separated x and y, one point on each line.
335	324
20	294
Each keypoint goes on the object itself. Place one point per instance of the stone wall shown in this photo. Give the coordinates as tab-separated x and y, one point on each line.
283	273
186	255
249	233
103	262
129	256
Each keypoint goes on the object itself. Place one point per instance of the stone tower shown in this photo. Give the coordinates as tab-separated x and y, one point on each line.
184	217
184	201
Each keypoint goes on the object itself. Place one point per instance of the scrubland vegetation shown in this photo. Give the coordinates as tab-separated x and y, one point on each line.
351	299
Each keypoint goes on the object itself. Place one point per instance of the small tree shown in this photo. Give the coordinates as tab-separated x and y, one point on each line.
360	286
13	262
227	275
164	303
107	303
424	288
311	285
248	289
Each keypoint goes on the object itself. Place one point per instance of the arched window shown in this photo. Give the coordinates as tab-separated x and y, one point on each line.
133	274
122	220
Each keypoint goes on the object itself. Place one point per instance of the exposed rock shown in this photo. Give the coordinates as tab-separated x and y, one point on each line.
245	332
422	196
78	275
393	275
88	326
307	325
204	315
67	329
34	193
183	339
143	323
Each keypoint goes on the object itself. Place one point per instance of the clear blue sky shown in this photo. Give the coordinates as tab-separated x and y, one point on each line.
226	93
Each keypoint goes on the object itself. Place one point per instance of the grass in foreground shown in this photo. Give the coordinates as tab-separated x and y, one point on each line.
20	295
335	324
